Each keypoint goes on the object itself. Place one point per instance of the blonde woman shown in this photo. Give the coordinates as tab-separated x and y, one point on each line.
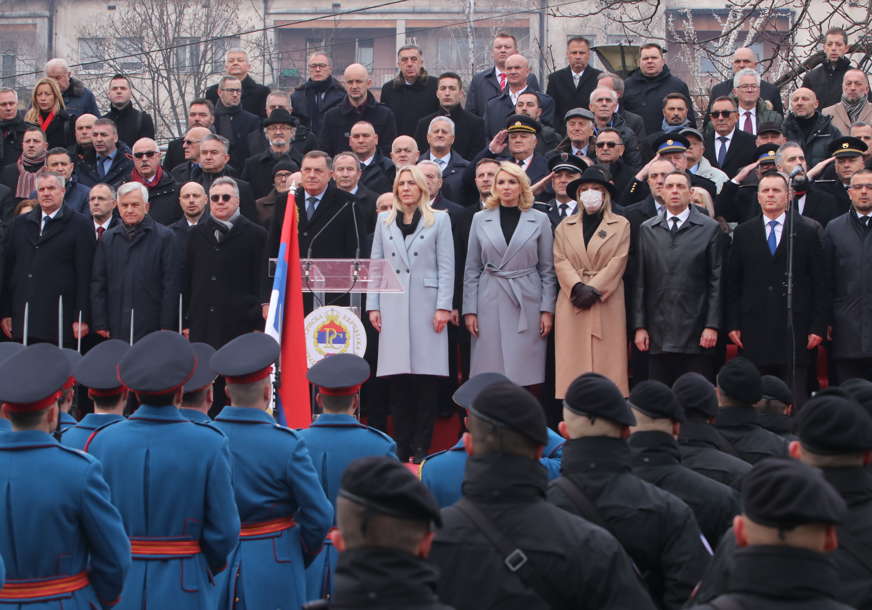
508	282
701	197
413	341
591	248
47	111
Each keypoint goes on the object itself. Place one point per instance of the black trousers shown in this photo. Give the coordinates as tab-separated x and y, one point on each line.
849	368
414	402
667	367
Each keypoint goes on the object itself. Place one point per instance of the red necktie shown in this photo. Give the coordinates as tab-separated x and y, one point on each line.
748	127
502	82
100	231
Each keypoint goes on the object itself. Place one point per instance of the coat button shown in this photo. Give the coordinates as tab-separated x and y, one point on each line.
211	310
214	278
393	253
407	271
398	270
422	237
416	254
29	275
390	239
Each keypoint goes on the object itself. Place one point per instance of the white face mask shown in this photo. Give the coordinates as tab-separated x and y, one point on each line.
591	200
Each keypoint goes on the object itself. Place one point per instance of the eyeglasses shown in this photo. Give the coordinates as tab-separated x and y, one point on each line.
189	142
145	153
724	114
234	90
860	187
223	197
607	144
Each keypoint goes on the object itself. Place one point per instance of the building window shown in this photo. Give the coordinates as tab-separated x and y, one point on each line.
91	54
219	49
129	52
364	52
187	55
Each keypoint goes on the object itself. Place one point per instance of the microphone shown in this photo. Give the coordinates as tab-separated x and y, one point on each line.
796	171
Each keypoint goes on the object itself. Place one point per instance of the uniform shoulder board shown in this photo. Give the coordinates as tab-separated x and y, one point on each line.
378	432
97	431
286	429
210	426
78	453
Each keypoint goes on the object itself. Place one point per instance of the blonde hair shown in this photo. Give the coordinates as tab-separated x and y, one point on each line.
32	115
607	200
525	202
706	197
423	202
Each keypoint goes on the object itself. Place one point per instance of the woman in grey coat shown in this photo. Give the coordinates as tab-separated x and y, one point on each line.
413	342
508	284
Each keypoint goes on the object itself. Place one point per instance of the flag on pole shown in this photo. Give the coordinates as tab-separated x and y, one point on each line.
284	323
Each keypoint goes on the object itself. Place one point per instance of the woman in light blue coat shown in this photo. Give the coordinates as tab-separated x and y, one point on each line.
509	285
413	342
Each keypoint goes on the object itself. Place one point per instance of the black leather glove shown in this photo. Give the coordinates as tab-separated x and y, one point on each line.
584	296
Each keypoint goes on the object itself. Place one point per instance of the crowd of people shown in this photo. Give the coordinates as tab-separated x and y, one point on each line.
587	260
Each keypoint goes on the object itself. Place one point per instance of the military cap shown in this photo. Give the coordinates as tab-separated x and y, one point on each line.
578	113
656	400
159	363
593	174
280	116
285	165
769	127
98	369
671	143
785	493
9	348
740	380
204	375
774	388
765	153
247	358
595	395
32	379
690	131
830	425
696	393
521	123
466	393
847	146
340	374
860	390
385	486
564	162
73	357
507	405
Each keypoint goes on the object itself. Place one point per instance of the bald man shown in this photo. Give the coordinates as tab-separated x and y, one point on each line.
191	148
498	108
84	127
745	57
806	125
163	195
358	105
854	106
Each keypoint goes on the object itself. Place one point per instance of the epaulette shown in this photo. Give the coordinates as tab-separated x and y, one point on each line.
287	430
78	453
384	435
210	426
98	430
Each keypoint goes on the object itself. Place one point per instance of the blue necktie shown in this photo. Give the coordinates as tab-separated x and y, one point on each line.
101	166
773	243
310	207
722	151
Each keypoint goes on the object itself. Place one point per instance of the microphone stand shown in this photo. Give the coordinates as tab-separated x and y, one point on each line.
791	239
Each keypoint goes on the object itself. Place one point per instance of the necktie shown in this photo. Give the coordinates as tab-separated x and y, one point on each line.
45	220
441	163
101	166
771	240
100	231
722	151
310	207
748	126
502	82
520	162
674	228
563	208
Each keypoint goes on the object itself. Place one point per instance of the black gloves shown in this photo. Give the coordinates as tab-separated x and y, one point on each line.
584	296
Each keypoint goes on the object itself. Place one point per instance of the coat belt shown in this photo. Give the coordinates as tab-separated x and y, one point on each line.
512	288
259	528
15	590
143	547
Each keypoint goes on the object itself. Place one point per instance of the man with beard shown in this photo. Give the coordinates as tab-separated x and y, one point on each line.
854	105
279	129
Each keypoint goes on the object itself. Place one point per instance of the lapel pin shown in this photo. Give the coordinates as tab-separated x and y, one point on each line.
602	234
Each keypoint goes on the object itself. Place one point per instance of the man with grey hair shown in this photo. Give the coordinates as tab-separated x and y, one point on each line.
253	94
616	84
304	139
318	94
163	192
441	135
223	259
78	99
12	126
745	58
854	105
752	108
232	121
213	164
412	94
134	283
604	106
46	263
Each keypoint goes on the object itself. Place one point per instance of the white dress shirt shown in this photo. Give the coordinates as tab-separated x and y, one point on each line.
681	217
778	228
741	123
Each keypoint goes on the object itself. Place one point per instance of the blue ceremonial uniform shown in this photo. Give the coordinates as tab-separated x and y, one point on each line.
274	480
5	426
198	417
65	420
334	441
76	436
58	522
170	479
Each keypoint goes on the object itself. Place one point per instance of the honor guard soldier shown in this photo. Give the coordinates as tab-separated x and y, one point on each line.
285	514
502	541
658	530
442	472
386	519
7	349
63	541
334	440
784	534
197	397
68	393
170	478
98	371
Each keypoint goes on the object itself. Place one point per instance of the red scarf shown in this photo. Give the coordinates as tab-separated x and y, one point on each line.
44	123
137	177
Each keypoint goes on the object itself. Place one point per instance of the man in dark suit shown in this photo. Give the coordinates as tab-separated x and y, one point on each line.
674	108
109	159
571	86
756	290
12	126
163	192
811	201
564	168
604	105
377	169
132	124
192	201
504	104
412	93
616	84
610	155
201	113
303	139
441	135
489	83
47	255
646	87
469	128
318	94
346	176
253	94
213	159
232	121
728	148
102	207
743	58
279	129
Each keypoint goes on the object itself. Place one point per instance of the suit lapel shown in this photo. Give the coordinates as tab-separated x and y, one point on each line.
526	227
399	241
604	233
576	239
493	231
54	226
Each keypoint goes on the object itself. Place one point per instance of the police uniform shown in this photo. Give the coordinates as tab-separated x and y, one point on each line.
97	371
284	512
702	447
442	472
203	376
334	440
170	479
657	459
507	493
63	543
658	531
846	146
782	493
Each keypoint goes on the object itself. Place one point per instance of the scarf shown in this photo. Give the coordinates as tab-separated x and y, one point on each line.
45	122
27	179
667	128
224	119
854	108
135	176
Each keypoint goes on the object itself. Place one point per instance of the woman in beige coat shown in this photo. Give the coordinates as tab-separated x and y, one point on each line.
590	254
